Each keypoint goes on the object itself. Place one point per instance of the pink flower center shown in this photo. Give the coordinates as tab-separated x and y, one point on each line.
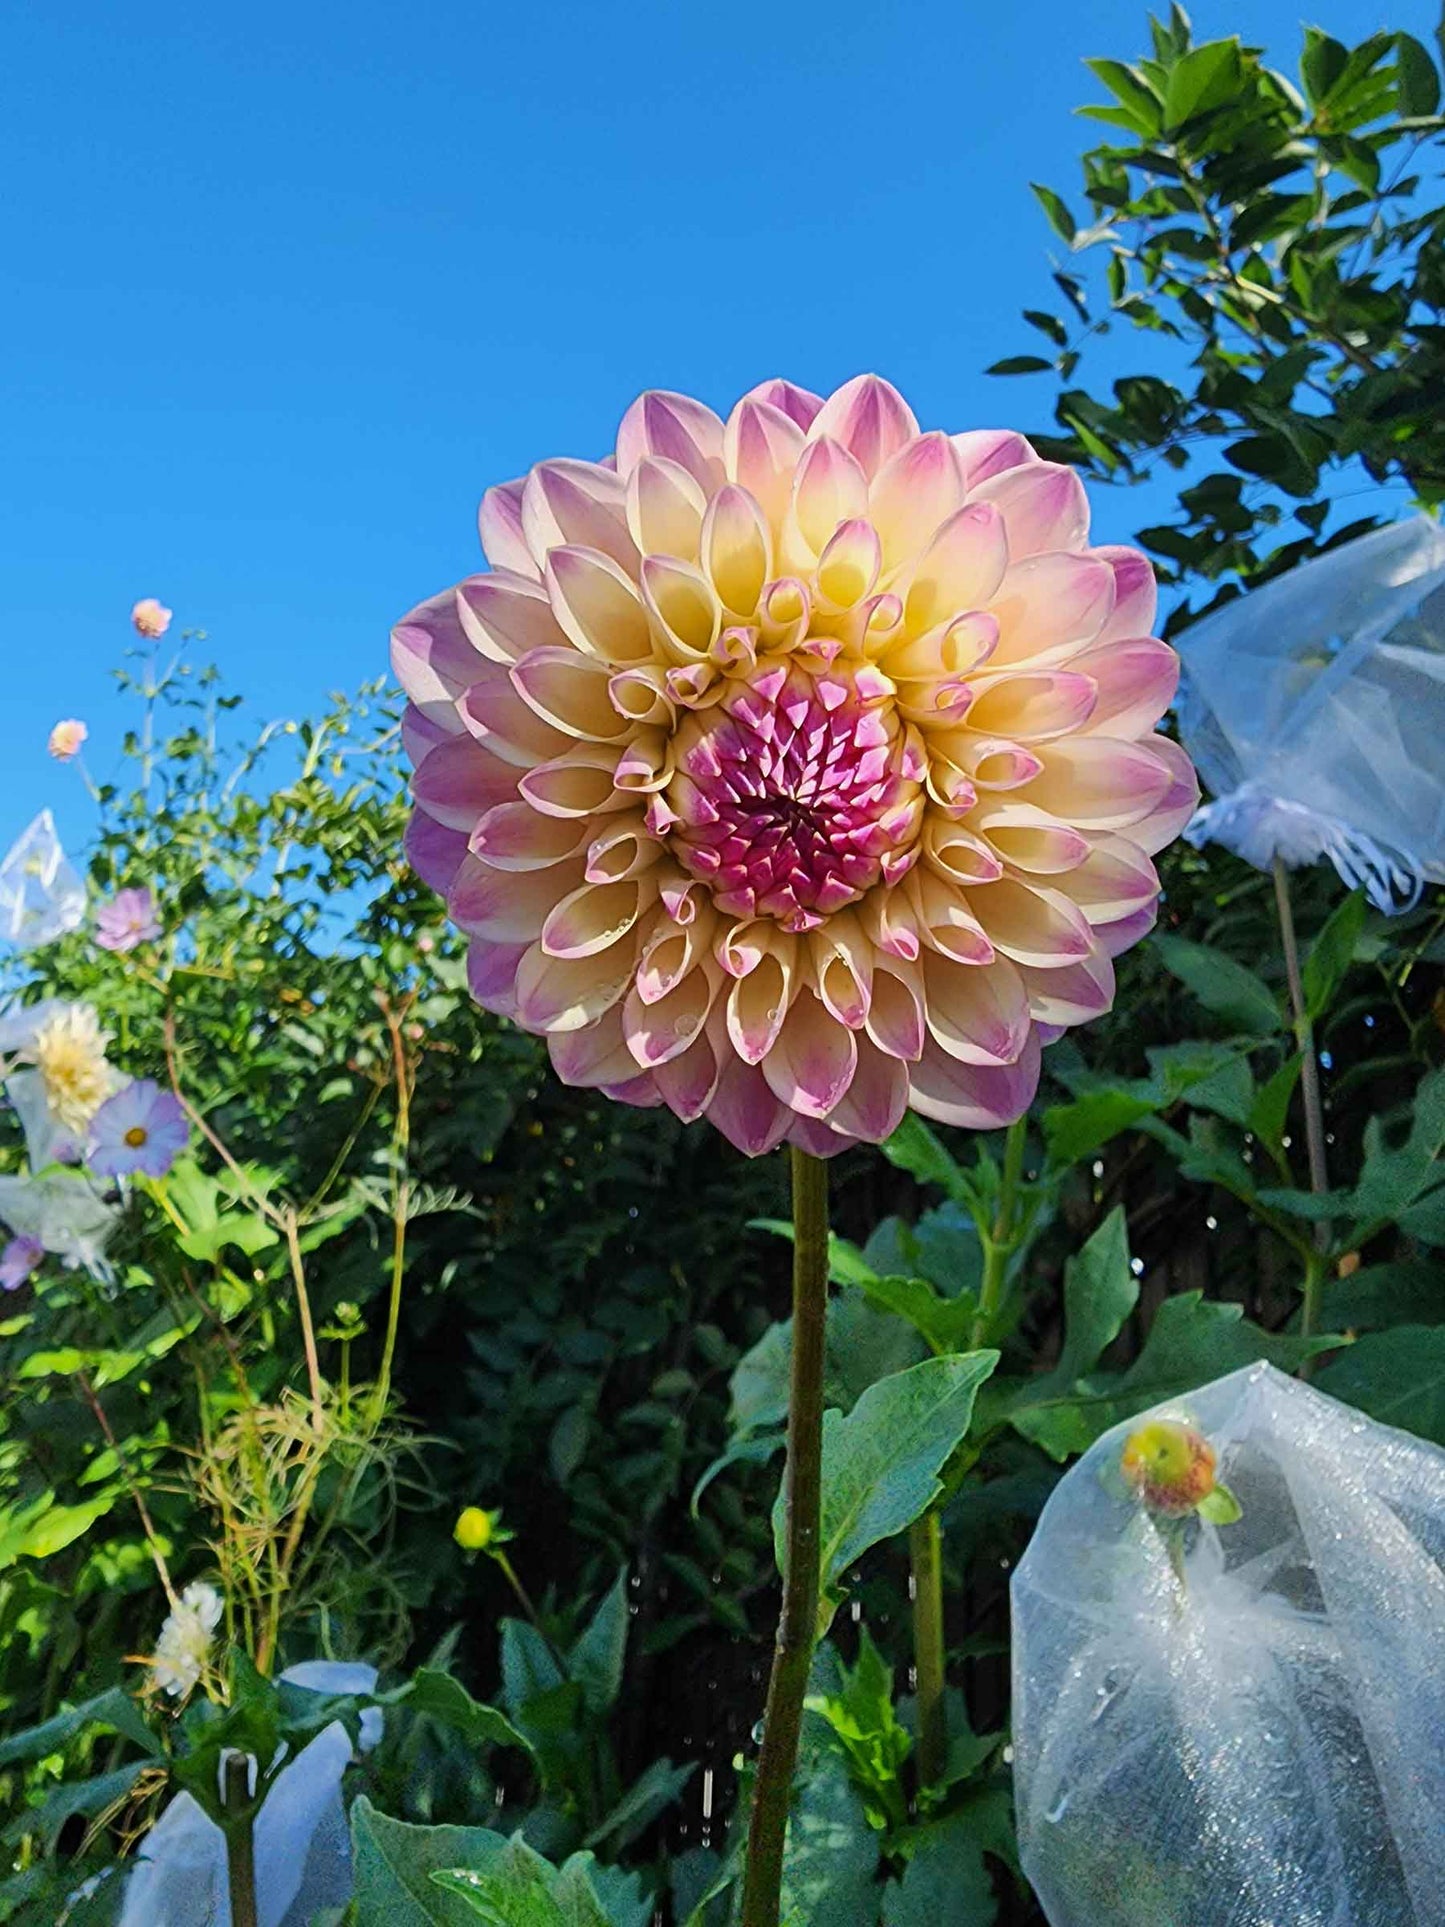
795	793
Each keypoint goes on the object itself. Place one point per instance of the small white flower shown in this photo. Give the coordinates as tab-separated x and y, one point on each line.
184	1646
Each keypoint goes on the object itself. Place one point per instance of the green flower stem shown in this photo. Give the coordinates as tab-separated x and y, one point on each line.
925	1546
803	1481
240	1839
999	1241
1316	1269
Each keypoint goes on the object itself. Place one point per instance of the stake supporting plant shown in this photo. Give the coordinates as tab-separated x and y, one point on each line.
1314	1109
803	1480
925	1545
240	1839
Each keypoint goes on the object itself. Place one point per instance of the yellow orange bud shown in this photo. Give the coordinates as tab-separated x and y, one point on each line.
1170	1466
473	1529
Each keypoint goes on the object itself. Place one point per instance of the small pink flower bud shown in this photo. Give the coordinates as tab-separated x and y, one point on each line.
66	739
150	618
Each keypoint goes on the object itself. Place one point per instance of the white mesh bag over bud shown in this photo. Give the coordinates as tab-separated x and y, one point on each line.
1250	1731
1314	708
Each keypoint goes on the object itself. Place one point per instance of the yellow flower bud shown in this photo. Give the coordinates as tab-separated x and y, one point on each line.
473	1529
1170	1466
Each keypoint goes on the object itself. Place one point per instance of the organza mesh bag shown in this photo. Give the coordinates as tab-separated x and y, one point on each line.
1239	1725
1314	709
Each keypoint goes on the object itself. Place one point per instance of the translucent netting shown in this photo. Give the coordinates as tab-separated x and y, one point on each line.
1265	1746
1324	693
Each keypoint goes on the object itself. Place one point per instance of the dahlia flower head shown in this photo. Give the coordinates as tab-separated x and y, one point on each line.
798	769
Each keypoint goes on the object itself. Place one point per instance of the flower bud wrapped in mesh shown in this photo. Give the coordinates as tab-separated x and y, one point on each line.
797	769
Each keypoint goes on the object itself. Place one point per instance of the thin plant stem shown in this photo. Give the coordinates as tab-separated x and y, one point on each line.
400	1207
303	1306
240	1839
153	1543
925	1545
999	1239
1314	1109
803	1481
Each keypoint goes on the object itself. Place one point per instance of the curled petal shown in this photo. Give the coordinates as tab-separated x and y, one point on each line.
505	615
916	489
580	782
960	569
594	917
625	848
891	921
849	564
458	781
956	648
666	1027
1115	880
569	691
508	727
1029	840
989	451
687	616
1102	784
597	606
1136	595
811	1065
761	448
744	1109
760	1000
957	854
869	418
842	968
503	906
976	1097
513	836
828	488
1049	606
568	993
896	1020
641	694
1031	924
947	920
577	504
671	953
1135	680
800	405
989	762
499	523
1043	505
980	1016
1075	994
736	549
665	507
676	428
1031	708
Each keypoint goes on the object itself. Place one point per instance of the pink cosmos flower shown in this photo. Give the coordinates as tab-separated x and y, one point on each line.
150	618
66	739
142	1128
796	769
127	921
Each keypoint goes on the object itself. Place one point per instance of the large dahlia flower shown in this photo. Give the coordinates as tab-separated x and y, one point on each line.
796	769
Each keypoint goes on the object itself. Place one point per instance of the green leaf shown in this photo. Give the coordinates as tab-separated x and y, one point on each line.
1395	1376
1140	103
446	1700
1223	986
947	1879
649	1795
1269	1113
1331	954
1220	1507
1322	63
1019	365
60	1526
944	1323
209	1228
596	1661
1202	80
1060	219
915	1147
84	1798
881	1461
114	1708
394	1862
830	1866
1074	1131
1409	1291
1396	1179
846	1263
1419	80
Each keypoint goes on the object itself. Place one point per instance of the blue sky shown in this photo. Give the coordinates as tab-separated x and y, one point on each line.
296	283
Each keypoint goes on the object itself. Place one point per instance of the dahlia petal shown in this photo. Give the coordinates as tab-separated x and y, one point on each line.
567	503
798	404
915	490
976	1097
677	428
1136	595
492	975
505	615
568	993
642	696
595	1056
736	549
569	691
849	564
687	616
817	1137
689	1081
1102	784
980	1016
812	1063
892	923
960	570
1136	681
458	781
1029	840
507	907
842	968
1115	880
670	954
1043	505
869	418
1049	606
594	917
421	733
646	764
988	762
640	1091
499	523
1031	708
665	1028
873	1106
983	452
1175	807
665	507
759	1002
1122	934
432	657
580	782
1074	995
434	851
828	488
947	920
625	848
744	1109
597	607
957	854
508	727
513	836
896	1020
1032	924
761	448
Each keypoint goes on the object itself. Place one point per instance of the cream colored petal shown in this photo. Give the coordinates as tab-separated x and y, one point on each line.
1099	783
737	550
978	1015
593	917
569	691
579	783
662	1030
568	993
849	565
597	607
1049	607
912	495
761	449
505	615
1027	838
1031	923
496	715
665	507
514	836
828	488
623	848
506	908
686	613
579	504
